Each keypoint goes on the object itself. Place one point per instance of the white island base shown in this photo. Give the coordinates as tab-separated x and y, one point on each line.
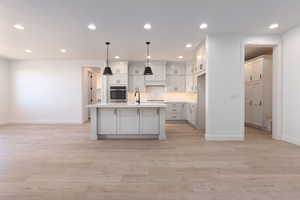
127	121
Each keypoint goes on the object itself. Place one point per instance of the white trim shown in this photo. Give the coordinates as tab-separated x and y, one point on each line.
223	137
44	122
291	140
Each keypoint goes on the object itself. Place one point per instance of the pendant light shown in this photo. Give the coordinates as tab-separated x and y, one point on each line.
148	70
107	69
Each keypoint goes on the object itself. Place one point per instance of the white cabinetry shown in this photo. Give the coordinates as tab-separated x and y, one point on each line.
176	83
175	68
159	73
191	113
128	121
136	76
258	91
149	121
136	81
120	74
175	111
107	121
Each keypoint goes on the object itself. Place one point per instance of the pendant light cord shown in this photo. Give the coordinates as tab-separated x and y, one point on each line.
107	46
148	59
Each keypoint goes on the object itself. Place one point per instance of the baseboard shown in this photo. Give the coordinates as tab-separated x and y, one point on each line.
44	122
291	140
224	137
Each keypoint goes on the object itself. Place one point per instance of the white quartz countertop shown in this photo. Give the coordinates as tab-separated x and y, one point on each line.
128	105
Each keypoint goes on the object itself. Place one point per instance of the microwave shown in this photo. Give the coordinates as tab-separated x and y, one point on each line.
118	93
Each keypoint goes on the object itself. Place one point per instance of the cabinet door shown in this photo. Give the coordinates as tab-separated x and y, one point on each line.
128	121
175	83
258	104
159	72
137	68
189	83
248	72
118	79
149	121
136	82
175	68
189	68
257	69
107	121
119	67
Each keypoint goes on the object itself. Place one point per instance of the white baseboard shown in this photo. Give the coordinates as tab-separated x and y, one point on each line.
43	122
224	137
291	140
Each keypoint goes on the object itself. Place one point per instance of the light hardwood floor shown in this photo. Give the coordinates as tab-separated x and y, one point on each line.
46	162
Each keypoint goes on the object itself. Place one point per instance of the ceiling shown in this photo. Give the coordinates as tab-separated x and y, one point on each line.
255	51
56	24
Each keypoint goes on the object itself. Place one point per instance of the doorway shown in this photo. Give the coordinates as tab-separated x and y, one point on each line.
258	89
201	104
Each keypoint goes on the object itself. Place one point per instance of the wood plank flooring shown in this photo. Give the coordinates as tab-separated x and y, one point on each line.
47	162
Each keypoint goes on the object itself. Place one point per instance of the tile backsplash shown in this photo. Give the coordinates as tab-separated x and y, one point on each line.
173	96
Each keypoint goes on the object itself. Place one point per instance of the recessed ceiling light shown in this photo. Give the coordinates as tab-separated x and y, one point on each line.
189	45
147	26
148	57
273	26
63	50
199	57
180	57
92	27
19	27
117	57
28	51
203	26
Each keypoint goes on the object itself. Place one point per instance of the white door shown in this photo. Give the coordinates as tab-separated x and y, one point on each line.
201	105
108	121
149	121
128	121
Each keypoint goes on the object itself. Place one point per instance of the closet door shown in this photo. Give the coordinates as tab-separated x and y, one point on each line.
258	104
257	68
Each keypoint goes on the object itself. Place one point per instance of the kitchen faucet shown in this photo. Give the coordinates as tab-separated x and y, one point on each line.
138	94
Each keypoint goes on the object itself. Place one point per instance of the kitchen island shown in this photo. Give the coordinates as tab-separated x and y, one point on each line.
122	120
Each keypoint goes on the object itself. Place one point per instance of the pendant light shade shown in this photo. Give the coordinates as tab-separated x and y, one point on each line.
148	70
107	69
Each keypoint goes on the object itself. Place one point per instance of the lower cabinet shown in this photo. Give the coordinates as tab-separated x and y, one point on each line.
129	121
107	121
149	121
175	111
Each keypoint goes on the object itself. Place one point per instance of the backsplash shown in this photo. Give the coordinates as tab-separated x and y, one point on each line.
172	97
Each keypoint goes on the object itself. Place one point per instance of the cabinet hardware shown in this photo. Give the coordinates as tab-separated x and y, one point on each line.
260	103
260	76
250	78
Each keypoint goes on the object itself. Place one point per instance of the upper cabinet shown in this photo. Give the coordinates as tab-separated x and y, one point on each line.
201	59
120	74
136	68
119	67
159	73
175	68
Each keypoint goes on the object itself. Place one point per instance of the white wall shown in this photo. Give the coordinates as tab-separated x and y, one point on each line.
225	91
225	85
47	91
291	86
4	95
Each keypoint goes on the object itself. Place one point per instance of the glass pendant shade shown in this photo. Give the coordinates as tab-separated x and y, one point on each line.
107	69
148	70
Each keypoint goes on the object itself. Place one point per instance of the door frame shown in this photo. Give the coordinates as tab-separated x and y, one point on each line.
277	82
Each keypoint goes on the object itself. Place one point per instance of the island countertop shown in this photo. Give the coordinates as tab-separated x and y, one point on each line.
128	105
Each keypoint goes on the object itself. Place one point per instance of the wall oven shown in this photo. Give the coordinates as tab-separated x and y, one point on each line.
118	94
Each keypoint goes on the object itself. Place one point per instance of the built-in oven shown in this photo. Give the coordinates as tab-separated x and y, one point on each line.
118	94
